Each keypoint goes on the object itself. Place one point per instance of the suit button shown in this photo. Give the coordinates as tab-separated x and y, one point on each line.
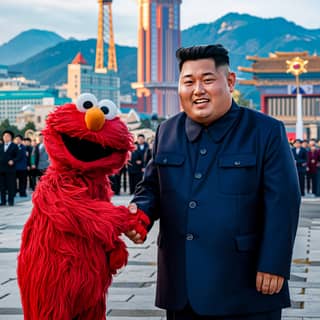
165	160
203	151
192	204
237	163
198	175
189	236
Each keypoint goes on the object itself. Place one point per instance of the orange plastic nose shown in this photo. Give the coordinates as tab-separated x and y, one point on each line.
94	119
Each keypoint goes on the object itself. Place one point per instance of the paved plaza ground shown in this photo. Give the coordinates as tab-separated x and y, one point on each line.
132	293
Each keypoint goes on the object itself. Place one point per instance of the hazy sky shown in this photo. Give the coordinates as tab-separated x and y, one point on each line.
78	18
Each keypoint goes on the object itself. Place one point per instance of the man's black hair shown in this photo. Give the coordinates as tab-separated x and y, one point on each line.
19	136
216	52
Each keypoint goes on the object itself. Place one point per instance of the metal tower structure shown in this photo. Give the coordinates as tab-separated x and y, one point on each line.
105	34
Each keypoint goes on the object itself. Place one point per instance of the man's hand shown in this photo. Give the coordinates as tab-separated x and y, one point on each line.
268	283
10	163
133	235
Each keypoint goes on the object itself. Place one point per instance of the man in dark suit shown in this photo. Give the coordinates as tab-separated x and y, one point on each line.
21	166
135	168
300	155
8	158
223	183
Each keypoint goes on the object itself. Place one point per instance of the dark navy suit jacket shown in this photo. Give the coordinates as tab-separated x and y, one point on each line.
233	214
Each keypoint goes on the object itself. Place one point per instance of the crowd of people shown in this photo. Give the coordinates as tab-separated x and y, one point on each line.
305	152
133	171
307	156
22	162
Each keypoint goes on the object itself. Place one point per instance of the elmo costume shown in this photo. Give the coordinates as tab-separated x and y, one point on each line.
70	244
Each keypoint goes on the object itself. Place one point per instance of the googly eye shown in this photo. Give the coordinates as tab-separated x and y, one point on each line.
86	101
109	109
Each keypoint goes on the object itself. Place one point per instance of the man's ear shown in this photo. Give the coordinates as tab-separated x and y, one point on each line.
231	78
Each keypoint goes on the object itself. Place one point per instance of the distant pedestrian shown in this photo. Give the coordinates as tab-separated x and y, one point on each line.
312	168
34	161
27	144
43	162
8	158
301	157
135	168
21	167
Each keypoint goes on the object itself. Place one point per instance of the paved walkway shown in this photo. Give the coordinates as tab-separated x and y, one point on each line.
132	293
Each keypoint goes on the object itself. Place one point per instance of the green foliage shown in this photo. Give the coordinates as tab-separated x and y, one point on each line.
5	125
29	126
240	100
150	124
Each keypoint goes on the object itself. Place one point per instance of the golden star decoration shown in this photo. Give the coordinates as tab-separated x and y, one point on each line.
296	66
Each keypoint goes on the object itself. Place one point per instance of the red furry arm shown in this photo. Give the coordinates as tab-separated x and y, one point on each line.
72	211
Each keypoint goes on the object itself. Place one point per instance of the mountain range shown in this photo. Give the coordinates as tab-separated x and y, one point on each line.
44	55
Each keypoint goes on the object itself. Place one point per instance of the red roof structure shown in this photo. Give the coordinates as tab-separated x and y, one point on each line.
79	59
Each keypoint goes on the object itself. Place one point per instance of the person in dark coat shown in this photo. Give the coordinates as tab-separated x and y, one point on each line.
34	161
9	154
135	168
143	147
223	182
312	168
27	144
21	167
300	155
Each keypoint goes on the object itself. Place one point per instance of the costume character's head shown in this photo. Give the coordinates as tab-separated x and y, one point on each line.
87	137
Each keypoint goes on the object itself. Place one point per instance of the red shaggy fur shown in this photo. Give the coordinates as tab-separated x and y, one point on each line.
70	244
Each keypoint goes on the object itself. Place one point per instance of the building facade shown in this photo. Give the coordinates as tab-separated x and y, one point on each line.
82	78
158	39
13	101
278	89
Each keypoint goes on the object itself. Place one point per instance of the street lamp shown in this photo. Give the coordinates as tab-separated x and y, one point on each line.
296	66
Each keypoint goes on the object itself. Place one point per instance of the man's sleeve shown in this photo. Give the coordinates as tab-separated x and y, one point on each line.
281	205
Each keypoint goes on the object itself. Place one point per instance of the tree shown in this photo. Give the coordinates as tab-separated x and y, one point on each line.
239	99
29	126
5	125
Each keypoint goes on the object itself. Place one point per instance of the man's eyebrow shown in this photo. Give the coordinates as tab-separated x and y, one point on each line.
204	74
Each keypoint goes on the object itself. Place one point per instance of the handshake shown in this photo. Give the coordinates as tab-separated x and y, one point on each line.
138	235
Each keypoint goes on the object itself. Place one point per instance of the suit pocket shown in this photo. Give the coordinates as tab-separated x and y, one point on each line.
237	173
169	159
248	242
170	169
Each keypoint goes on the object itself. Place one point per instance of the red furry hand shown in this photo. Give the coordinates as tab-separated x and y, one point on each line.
139	222
118	257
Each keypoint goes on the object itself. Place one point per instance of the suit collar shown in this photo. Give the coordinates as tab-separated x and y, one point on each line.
218	129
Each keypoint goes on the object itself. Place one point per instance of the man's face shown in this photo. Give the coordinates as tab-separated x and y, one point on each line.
204	90
7	138
140	140
297	144
17	140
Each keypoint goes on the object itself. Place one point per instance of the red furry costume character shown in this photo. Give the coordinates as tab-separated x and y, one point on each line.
70	244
